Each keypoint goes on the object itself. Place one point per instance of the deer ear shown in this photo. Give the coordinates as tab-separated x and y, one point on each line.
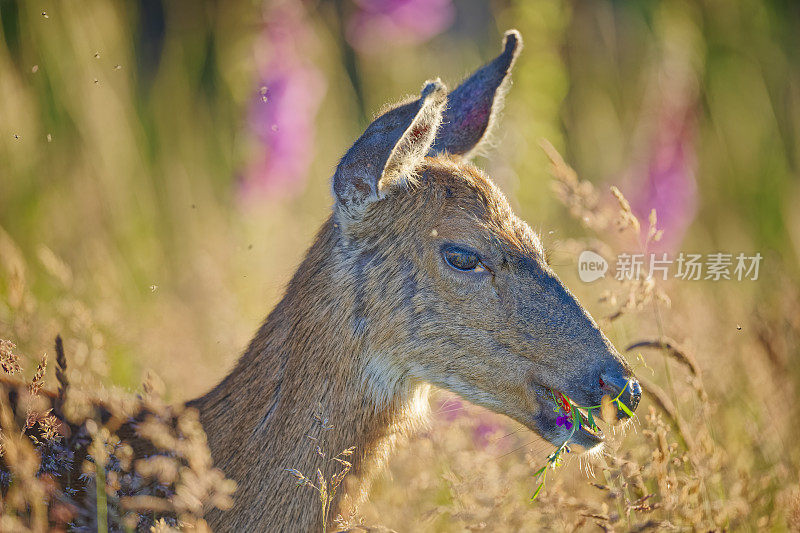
473	106
390	149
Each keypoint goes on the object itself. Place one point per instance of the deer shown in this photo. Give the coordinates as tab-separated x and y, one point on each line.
422	276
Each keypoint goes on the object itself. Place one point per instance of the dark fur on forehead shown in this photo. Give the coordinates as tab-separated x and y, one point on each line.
448	187
463	186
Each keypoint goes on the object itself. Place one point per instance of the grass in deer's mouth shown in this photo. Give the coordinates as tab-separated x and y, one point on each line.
574	418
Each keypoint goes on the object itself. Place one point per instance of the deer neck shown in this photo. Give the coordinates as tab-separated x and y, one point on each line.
309	378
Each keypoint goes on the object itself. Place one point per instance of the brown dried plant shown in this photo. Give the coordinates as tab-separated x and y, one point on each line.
66	458
329	477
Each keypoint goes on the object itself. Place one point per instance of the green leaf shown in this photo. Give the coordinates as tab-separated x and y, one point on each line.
537	491
576	418
591	419
624	408
556	460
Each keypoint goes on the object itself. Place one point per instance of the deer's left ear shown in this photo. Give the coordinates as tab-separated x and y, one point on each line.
473	106
388	152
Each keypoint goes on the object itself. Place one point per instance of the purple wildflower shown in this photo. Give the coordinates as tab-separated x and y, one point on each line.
487	426
669	187
450	409
564	420
669	161
285	103
378	22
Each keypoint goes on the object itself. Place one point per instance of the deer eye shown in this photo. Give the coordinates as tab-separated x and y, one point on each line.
464	260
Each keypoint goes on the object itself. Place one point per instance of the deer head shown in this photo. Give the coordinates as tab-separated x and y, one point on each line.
451	288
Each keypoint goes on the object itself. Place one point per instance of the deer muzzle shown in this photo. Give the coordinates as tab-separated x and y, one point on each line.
624	388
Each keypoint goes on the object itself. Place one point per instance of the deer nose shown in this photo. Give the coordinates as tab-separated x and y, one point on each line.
626	389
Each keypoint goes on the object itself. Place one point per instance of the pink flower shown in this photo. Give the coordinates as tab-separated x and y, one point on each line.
669	184
284	105
487	426
666	174
378	22
450	409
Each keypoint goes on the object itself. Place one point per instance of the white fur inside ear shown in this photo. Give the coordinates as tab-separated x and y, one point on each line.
416	141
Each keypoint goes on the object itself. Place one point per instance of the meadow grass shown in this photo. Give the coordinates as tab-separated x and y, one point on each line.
124	228
707	449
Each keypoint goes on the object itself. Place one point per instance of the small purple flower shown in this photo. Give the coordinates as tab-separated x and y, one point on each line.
450	409
488	425
564	420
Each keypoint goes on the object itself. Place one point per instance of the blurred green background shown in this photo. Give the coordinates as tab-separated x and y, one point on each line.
165	164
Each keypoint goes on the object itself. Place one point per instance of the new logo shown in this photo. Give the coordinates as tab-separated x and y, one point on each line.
591	266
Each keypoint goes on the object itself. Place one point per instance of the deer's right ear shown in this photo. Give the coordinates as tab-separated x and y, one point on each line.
386	155
473	106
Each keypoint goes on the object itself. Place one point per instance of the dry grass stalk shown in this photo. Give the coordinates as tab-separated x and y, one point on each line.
176	481
662	401
672	349
9	361
326	485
